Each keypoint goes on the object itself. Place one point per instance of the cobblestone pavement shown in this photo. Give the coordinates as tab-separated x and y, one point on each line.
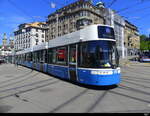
23	90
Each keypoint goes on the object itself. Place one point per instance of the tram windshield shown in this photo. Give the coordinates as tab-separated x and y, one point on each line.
98	54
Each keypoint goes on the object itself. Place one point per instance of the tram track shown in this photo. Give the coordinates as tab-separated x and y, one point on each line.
130	97
18	82
69	101
15	90
133	89
99	99
16	78
135	79
136	84
139	72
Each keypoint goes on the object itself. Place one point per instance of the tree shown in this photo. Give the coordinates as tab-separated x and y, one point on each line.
144	42
143	37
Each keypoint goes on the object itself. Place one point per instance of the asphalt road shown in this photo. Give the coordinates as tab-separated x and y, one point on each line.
23	90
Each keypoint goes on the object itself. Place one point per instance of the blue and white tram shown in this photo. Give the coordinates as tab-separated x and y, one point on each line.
39	57
87	56
35	58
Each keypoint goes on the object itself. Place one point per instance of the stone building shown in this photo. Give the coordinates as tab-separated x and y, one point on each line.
4	41
6	49
132	38
29	35
82	13
116	21
74	17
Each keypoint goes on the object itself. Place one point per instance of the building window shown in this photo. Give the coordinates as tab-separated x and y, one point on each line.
36	35
42	35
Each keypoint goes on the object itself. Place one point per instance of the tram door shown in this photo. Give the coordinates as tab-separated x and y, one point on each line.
73	62
34	59
42	58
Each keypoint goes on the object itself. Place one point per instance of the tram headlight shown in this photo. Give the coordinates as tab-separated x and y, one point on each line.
119	71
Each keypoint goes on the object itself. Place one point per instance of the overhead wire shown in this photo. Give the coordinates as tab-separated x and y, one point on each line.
20	9
113	1
131	6
138	10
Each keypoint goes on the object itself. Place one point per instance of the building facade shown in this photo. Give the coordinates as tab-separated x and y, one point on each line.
4	40
29	35
74	17
6	48
132	39
83	13
116	21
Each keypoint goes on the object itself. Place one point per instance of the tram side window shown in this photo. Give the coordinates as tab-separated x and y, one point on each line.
53	56
34	57
84	57
24	57
38	56
42	57
49	56
61	56
72	57
28	57
46	56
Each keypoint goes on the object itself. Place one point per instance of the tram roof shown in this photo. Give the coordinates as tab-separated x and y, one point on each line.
40	47
35	48
89	33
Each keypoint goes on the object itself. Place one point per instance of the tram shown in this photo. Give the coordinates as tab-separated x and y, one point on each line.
88	56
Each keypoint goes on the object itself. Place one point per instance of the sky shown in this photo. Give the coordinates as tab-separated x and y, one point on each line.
15	12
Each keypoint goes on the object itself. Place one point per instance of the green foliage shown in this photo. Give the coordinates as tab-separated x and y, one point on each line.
144	44
143	37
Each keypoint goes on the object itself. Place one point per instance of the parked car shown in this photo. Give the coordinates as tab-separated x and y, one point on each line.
145	57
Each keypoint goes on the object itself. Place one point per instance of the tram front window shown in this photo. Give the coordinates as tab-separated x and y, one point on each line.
98	54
